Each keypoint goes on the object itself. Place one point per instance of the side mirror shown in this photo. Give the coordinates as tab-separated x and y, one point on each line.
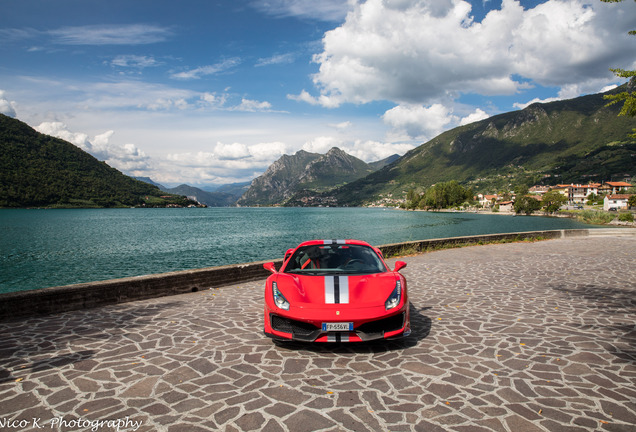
270	266
399	265
288	253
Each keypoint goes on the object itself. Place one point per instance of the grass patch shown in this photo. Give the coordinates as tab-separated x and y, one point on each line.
594	217
412	250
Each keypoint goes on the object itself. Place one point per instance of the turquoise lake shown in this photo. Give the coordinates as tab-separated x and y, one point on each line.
44	248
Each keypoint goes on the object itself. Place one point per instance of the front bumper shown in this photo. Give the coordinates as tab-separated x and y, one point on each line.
284	328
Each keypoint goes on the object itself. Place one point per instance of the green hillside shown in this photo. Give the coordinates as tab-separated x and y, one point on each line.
37	170
577	140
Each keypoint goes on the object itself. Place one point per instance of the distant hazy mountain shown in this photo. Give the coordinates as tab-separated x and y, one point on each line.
149	181
302	171
236	189
219	196
384	162
211	199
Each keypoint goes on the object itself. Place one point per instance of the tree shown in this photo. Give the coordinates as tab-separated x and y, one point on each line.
445	195
632	201
627	97
525	203
552	201
412	199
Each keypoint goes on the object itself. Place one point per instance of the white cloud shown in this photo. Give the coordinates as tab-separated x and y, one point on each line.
6	106
225	163
478	115
276	59
235	151
214	69
133	34
324	10
368	151
322	144
341	126
373	151
131	94
571	91
134	61
268	152
324	100
214	100
422	52
60	130
253	105
125	157
417	121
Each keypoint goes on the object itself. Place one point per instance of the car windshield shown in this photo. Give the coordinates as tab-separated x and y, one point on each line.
335	258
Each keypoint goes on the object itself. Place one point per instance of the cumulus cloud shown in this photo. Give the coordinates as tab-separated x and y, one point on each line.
570	91
324	100
7	107
322	144
420	52
235	151
373	151
125	157
475	116
227	162
253	105
368	151
213	99
417	121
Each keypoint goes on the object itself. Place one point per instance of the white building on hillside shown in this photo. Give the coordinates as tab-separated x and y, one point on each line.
615	202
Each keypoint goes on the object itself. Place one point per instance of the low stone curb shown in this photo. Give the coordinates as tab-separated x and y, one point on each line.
96	294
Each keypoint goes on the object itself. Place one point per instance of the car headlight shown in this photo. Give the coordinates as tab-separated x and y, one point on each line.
279	298
394	298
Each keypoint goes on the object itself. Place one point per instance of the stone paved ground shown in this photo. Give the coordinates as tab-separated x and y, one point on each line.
510	337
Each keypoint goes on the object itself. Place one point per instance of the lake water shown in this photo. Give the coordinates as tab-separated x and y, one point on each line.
43	248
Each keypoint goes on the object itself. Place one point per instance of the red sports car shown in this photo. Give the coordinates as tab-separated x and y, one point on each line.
336	291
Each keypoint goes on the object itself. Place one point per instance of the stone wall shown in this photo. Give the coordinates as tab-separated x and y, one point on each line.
94	294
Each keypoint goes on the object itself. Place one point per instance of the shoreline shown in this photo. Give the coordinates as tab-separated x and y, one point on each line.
46	301
613	223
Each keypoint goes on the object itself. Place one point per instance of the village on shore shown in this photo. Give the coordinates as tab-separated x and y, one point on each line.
599	203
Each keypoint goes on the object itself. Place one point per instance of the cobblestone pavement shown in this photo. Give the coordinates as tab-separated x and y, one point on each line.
509	337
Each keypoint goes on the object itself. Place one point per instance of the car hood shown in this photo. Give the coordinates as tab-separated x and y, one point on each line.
356	290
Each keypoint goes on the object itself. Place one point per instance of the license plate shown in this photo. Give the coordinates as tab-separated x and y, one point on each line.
341	326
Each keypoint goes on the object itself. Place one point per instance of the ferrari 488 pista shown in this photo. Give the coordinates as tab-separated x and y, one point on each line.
335	291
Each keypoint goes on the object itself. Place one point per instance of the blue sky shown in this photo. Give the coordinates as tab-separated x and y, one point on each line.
212	92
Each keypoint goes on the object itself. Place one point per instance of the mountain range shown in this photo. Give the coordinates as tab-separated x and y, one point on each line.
304	171
568	141
222	196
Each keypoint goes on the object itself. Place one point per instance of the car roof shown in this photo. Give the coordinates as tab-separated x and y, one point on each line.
334	241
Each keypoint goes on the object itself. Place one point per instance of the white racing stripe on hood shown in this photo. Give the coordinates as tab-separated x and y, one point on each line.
334	241
336	289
